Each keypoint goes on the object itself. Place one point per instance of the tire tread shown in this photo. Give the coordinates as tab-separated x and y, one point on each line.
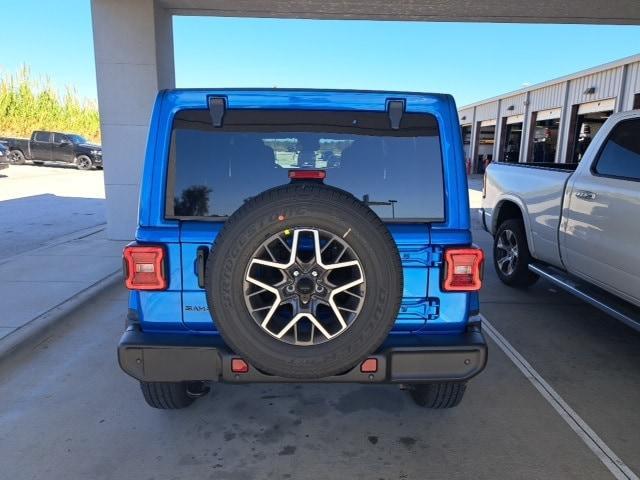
438	395
166	395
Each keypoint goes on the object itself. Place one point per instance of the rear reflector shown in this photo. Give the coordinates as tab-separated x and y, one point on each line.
144	267
238	365
370	365
307	174
463	269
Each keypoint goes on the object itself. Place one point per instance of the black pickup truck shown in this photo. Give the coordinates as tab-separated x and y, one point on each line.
54	147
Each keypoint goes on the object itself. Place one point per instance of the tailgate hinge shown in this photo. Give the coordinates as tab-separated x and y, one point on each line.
217	107
395	108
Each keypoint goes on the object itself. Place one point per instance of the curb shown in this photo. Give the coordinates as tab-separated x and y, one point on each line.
36	328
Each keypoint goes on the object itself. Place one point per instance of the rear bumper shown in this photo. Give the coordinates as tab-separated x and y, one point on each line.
153	357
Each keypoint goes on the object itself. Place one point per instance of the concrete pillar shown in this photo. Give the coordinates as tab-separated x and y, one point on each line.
133	44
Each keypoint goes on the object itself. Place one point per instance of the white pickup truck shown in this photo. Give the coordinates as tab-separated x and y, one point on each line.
577	225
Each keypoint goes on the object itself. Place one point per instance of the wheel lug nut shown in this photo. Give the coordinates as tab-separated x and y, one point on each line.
296	273
290	288
314	273
319	288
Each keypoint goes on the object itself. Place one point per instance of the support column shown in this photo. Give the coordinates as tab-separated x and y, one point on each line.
133	44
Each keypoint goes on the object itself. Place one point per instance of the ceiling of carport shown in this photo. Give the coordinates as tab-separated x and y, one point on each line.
508	11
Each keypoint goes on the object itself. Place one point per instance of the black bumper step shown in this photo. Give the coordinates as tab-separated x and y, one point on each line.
154	357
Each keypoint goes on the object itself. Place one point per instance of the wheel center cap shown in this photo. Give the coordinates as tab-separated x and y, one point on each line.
305	285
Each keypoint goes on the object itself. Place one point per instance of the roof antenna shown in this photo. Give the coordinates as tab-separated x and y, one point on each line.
217	107
395	109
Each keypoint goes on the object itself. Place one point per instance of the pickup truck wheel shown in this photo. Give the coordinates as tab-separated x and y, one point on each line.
438	395
304	281
16	157
172	395
84	163
511	256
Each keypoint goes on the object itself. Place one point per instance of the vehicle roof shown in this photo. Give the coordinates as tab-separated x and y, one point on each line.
627	114
374	100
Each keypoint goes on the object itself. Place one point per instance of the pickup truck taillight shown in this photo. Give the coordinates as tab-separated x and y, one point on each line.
144	267
463	268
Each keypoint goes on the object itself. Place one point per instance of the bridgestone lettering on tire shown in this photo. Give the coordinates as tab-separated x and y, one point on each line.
304	281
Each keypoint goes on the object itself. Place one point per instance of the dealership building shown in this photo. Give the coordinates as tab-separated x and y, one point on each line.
549	122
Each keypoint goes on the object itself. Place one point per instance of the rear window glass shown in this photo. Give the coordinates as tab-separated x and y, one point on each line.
212	171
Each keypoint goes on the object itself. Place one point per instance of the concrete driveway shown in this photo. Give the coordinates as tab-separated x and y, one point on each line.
41	203
69	412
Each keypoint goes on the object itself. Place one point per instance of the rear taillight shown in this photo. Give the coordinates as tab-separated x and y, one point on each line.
463	269
144	267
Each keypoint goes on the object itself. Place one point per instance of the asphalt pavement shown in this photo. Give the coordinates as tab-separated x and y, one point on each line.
69	412
39	204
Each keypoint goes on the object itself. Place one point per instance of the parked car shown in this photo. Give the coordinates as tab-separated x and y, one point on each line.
248	267
577	229
55	147
4	156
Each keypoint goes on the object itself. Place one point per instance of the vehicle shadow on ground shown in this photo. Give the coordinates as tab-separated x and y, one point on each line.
29	222
53	165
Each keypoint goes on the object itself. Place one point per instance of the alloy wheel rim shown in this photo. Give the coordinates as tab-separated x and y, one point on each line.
304	286
507	253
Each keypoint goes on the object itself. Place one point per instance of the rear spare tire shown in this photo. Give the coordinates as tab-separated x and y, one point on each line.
304	281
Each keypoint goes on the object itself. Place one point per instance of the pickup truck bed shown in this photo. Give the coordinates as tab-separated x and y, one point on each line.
538	192
574	224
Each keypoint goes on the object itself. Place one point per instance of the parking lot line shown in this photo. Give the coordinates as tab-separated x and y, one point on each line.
615	465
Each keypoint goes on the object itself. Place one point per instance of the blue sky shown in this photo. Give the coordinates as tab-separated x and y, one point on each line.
471	61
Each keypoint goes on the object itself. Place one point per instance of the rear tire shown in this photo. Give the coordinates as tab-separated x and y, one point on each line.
438	395
511	255
170	395
17	157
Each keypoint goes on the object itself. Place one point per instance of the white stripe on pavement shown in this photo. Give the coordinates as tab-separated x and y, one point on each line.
610	460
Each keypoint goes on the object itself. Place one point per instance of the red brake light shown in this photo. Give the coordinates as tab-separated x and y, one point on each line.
144	267
370	365
238	365
307	174
463	269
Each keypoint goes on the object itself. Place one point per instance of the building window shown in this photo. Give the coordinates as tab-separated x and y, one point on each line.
466	141
586	120
511	140
544	138
486	139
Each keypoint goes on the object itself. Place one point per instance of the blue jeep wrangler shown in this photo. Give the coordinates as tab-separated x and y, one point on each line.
303	236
